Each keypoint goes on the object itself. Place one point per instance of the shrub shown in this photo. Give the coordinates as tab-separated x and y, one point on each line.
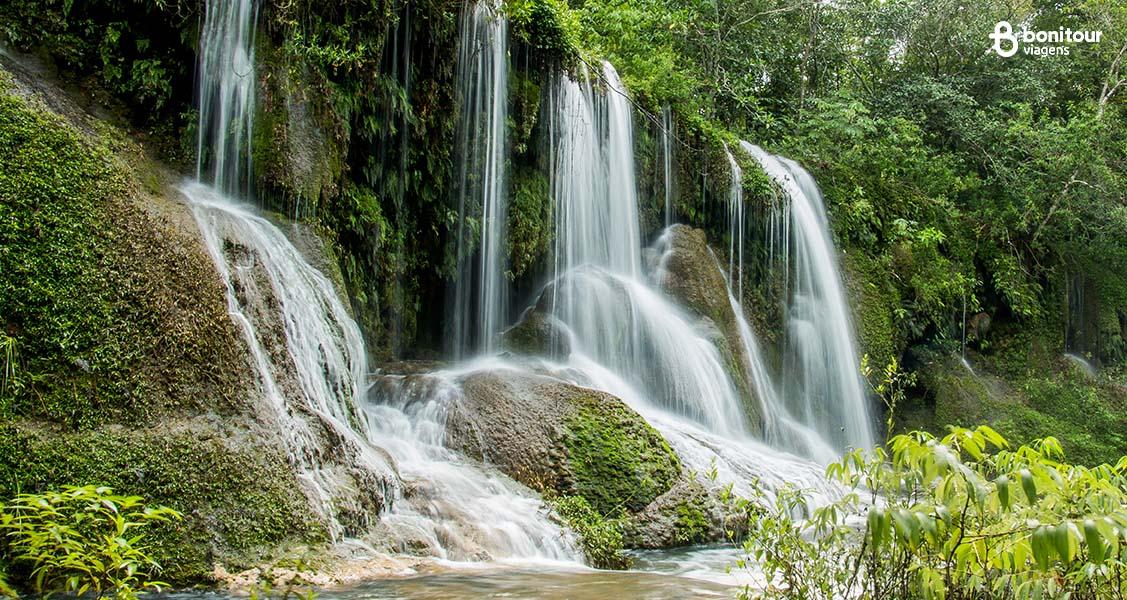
83	539
600	537
958	517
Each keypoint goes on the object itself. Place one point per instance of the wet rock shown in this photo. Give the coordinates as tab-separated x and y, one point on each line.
537	333
551	435
688	513
688	272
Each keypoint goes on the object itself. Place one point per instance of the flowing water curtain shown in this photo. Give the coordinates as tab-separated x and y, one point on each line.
613	315
823	387
226	95
735	225
481	291
667	161
306	349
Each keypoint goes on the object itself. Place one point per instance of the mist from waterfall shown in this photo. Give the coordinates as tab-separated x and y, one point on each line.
483	85
822	384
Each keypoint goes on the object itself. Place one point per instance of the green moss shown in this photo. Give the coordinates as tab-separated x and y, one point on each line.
111	315
1088	417
530	221
239	497
618	461
298	158
874	301
692	523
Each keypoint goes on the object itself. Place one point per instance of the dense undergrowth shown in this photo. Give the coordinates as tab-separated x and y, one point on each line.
962	516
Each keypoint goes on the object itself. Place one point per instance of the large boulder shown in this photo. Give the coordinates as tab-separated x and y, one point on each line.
549	434
566	440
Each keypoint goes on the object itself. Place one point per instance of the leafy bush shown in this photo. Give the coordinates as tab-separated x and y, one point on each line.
957	517
600	537
83	539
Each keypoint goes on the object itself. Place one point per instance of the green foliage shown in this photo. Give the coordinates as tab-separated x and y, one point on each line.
599	536
530	221
619	462
238	497
548	27
958	517
83	539
139	51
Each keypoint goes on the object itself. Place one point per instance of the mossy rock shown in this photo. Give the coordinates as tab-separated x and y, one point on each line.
536	334
107	297
236	490
298	156
549	434
874	301
687	514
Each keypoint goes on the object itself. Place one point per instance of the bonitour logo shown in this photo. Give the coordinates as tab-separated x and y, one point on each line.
1038	43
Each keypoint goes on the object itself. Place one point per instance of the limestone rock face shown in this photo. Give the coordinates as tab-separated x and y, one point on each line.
141	380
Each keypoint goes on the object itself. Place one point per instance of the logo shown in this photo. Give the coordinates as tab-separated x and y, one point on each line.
1004	32
1007	42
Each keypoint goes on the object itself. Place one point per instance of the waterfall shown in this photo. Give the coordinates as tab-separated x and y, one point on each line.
667	161
735	225
483	78
823	387
306	349
780	429
593	185
599	295
456	509
226	82
342	436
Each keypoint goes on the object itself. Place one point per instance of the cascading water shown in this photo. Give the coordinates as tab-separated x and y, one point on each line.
457	509
483	78
822	384
735	225
277	299
309	353
226	95
596	206
780	429
623	335
667	161
599	295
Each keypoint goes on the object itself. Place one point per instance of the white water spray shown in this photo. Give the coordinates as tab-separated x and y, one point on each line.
306	349
667	161
735	226
457	509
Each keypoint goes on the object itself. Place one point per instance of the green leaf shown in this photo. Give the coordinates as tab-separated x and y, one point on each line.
1002	483
1094	540
1029	486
